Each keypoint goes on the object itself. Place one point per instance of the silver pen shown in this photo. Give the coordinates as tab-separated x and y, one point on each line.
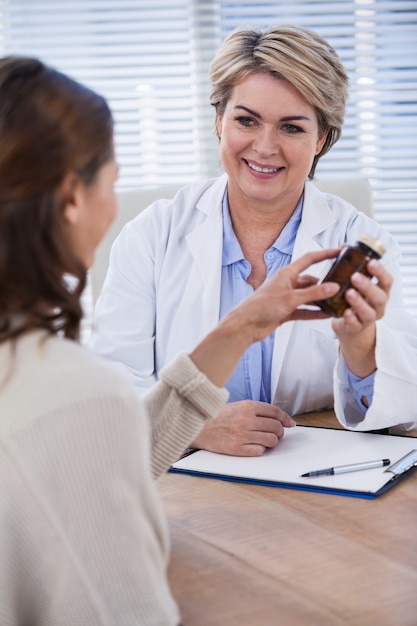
343	469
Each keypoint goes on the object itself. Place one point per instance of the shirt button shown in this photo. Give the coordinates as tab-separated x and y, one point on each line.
270	256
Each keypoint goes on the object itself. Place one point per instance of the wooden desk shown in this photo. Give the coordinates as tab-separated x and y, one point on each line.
246	555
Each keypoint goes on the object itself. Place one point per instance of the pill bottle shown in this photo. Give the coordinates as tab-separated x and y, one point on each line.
350	260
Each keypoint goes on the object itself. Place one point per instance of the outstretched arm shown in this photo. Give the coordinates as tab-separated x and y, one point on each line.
189	392
275	302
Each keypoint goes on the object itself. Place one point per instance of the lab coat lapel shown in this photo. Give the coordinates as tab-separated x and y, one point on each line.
205	244
316	218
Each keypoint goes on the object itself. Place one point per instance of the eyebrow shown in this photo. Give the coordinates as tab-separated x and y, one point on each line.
287	118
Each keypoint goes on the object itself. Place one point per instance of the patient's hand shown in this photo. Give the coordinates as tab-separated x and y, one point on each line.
244	428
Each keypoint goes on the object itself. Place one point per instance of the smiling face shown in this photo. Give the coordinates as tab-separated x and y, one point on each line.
269	136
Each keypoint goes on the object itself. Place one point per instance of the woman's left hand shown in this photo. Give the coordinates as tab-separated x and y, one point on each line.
356	328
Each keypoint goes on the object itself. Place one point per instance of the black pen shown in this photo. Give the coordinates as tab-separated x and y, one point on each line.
342	469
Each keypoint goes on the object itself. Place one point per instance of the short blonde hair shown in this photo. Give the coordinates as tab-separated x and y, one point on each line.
296	54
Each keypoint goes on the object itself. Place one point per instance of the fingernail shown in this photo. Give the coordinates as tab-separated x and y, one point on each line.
330	287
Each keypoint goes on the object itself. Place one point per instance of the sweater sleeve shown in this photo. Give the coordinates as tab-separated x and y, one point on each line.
178	406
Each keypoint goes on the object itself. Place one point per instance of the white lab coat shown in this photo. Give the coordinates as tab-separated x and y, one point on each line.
162	291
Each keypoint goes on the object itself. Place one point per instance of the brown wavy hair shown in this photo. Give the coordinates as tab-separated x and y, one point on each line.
50	126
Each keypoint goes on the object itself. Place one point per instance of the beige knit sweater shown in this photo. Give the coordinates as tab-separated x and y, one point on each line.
83	540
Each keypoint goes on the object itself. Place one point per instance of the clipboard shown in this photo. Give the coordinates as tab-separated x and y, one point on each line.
307	448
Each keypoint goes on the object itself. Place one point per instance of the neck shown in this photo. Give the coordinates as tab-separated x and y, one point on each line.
257	225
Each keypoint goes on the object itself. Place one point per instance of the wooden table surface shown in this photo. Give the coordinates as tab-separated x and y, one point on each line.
247	555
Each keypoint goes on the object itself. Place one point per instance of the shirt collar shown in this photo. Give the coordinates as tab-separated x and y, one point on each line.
232	252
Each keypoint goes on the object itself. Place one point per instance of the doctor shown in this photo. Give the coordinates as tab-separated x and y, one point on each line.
182	264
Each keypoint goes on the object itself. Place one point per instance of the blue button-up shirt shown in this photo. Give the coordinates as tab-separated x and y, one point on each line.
252	376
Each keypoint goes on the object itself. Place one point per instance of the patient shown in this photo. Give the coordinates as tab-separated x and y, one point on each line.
83	540
279	98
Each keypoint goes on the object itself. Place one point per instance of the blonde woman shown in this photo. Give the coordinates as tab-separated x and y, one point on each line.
279	97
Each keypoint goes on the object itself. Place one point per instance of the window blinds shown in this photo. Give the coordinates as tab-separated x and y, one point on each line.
151	60
377	42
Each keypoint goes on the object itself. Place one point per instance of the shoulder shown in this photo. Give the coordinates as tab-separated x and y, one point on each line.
194	201
322	201
166	222
59	377
71	372
336	221
88	371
